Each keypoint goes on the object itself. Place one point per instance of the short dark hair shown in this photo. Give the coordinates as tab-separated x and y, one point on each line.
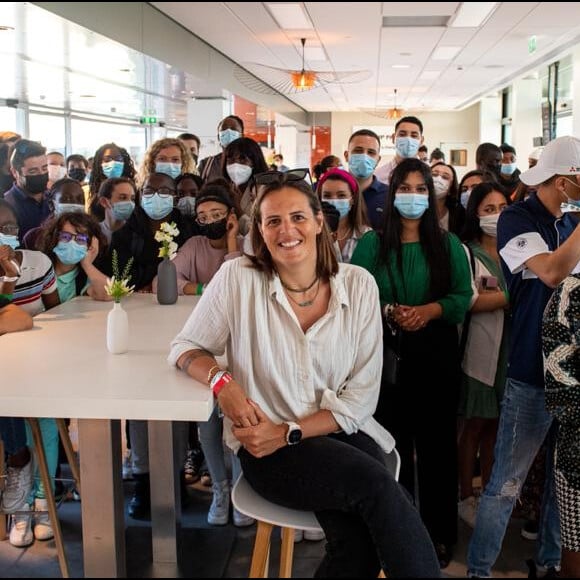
410	119
189	137
423	149
505	148
235	118
78	158
23	150
365	133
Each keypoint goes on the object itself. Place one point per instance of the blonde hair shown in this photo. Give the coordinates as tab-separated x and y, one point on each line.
148	165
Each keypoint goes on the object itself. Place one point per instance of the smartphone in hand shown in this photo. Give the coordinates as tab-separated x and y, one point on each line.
489	283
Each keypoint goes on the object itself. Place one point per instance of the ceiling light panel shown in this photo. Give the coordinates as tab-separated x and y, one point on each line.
290	16
446	52
472	14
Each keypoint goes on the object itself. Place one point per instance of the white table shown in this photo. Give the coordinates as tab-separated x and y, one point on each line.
62	368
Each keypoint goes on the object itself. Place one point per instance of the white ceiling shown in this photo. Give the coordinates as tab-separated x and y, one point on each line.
53	63
352	37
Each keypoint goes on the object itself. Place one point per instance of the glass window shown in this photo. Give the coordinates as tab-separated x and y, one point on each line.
88	135
49	130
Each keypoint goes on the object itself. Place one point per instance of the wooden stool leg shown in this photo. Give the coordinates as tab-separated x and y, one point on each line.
3	517
69	452
286	553
47	483
261	555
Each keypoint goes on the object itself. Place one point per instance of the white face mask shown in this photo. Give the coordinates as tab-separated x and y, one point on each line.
441	186
239	173
488	223
56	172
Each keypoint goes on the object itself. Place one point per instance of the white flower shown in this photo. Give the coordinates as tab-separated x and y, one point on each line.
165	234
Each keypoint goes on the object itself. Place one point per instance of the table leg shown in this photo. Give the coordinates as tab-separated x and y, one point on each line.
102	502
165	505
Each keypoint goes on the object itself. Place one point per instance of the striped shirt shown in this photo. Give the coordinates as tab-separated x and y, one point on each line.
37	279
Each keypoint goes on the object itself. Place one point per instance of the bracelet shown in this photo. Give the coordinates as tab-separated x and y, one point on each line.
212	373
199	289
219	381
187	361
9	279
7	296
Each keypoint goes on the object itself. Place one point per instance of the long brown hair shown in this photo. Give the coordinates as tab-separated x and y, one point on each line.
326	262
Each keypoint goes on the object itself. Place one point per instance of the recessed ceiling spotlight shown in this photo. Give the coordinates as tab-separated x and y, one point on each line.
401	66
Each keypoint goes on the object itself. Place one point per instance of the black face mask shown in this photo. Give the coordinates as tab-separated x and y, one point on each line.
78	174
36	183
215	230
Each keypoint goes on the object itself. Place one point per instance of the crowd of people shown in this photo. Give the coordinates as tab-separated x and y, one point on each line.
326	278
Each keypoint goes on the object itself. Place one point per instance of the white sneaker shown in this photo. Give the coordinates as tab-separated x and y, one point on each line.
21	529
467	510
242	520
18	488
42	526
314	536
219	511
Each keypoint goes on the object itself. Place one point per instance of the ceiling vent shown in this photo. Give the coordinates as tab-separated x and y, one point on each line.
414	21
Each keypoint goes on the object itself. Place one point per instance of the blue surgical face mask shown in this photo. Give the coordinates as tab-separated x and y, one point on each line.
113	168
122	210
227	136
70	253
11	241
361	165
464	200
411	205
157	207
186	205
407	146
508	168
60	208
342	205
171	169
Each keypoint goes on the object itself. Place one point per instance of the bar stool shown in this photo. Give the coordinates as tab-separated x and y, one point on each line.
40	457
269	514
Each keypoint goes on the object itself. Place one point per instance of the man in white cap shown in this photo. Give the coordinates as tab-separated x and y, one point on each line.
539	246
534	156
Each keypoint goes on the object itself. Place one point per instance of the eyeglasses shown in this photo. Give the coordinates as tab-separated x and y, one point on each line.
282	177
82	239
210	217
162	192
9	230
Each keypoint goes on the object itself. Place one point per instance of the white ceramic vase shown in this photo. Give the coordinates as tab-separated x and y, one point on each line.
117	330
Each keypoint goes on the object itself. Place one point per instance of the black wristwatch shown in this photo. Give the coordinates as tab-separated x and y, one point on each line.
294	433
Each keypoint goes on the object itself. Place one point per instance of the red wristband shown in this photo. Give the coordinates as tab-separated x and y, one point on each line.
221	382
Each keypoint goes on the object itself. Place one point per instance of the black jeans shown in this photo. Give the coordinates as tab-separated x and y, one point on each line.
366	515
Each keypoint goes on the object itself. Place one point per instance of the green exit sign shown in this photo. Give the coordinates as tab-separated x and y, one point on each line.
532	44
148	120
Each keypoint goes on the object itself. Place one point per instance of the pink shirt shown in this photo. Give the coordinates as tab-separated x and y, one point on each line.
197	261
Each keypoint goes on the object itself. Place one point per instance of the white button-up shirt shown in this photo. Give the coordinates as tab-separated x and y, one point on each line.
335	365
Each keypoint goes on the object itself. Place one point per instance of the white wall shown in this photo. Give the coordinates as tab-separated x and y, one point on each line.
526	117
203	117
490	120
447	130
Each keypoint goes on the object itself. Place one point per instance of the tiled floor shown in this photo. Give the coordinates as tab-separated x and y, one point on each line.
230	556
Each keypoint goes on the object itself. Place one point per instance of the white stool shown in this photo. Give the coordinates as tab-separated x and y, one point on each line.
269	514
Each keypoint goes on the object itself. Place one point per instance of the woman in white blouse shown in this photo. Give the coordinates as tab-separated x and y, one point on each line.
303	339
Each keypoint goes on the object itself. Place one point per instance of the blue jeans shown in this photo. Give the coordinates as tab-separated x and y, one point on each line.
13	434
211	439
369	521
523	426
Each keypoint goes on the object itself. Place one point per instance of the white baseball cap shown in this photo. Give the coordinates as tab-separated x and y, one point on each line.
559	157
535	154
